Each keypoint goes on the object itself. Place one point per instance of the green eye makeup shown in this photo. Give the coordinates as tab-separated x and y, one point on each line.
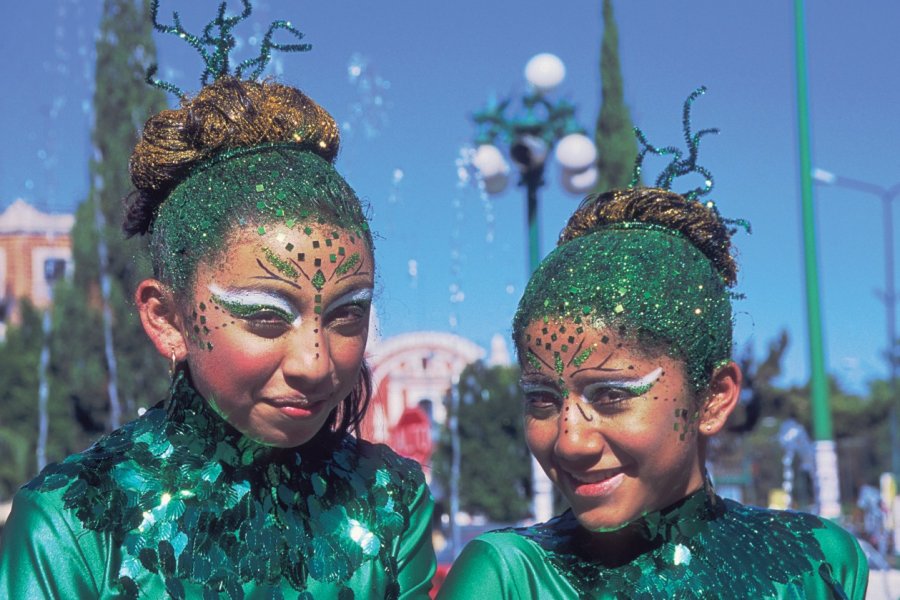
246	303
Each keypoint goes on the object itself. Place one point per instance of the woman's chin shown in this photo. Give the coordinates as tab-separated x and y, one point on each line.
603	526
605	521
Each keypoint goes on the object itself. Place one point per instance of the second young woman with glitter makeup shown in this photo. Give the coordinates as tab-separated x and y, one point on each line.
624	338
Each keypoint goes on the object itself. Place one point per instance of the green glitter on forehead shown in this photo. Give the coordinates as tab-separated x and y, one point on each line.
281	265
582	356
318	280
649	282
558	364
252	188
348	264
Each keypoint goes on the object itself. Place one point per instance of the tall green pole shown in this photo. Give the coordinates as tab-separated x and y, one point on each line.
828	494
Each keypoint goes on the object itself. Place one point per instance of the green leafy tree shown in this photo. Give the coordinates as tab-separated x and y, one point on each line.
122	102
19	358
614	135
495	466
860	425
79	374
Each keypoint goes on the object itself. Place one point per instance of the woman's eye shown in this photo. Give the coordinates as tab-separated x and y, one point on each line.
608	396
267	323
541	402
349	316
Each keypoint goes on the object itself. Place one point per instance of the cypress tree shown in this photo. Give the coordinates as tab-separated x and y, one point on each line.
81	368
614	136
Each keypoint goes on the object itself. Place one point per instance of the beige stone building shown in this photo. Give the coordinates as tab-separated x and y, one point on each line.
35	249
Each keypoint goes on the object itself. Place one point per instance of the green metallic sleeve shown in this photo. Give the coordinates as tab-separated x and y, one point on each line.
479	572
44	555
415	558
848	566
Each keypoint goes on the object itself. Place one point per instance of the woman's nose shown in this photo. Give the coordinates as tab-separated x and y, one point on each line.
306	357
579	436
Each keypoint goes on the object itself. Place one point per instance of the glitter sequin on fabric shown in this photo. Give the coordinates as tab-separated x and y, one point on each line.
191	501
257	186
646	280
700	548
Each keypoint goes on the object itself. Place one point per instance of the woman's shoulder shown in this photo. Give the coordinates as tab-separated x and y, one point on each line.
802	544
528	543
827	533
380	459
117	447
509	563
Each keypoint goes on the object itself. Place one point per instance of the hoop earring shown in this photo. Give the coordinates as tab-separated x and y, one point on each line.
173	364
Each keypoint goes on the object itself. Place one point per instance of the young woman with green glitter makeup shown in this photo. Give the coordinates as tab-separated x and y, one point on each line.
624	339
247	482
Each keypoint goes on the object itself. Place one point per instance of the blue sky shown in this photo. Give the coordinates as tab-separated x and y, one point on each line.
440	61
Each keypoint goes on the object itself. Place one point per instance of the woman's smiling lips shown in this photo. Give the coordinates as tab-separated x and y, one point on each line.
300	408
596	484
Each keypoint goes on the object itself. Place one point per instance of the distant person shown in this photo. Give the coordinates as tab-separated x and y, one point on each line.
247	481
624	338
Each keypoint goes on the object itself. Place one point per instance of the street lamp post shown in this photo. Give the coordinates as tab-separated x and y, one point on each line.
887	197
530	135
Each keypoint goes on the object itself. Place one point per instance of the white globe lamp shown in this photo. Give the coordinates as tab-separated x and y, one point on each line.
545	72
495	184
489	161
576	152
579	182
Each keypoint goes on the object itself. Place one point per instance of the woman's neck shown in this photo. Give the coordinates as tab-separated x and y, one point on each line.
619	547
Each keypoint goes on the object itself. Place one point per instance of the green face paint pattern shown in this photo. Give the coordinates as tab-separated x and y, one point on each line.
281	265
248	188
648	281
348	264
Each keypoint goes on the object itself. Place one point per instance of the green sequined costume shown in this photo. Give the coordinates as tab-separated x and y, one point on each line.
695	549
179	504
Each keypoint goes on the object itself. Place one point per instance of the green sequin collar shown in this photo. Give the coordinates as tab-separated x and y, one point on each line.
700	547
191	501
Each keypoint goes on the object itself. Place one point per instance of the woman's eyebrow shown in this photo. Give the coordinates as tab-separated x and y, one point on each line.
601	366
273	275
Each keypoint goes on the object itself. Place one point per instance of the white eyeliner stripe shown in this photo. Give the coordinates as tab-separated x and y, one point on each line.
648	379
255	297
360	295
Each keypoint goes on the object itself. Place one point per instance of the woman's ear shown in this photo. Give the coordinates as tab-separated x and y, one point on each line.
722	396
161	320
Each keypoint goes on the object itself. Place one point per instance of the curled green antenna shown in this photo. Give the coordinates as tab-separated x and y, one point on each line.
678	166
217	41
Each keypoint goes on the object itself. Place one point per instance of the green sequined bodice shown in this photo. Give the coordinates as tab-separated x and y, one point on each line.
699	548
192	502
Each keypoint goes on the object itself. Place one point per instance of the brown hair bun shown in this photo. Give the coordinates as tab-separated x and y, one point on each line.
225	114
